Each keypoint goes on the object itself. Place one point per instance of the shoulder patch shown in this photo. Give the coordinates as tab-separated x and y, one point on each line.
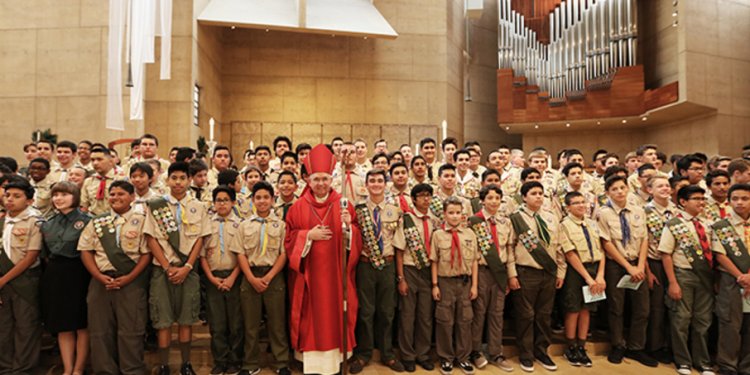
78	225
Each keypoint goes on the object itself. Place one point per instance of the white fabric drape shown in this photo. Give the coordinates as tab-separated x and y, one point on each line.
166	39
118	10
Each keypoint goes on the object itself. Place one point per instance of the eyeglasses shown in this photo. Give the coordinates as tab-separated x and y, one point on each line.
223	201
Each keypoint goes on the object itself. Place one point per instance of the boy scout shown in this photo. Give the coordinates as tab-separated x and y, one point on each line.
573	181
447	188
493	232
658	211
356	191
688	264
730	245
454	258
140	176
199	187
219	264
175	228
20	243
260	253
536	266
287	185
467	184
579	239
115	253
42	183
624	238
641	196
95	188
717	204
399	190
412	242
376	272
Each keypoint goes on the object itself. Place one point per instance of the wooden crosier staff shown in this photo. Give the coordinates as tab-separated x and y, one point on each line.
344	244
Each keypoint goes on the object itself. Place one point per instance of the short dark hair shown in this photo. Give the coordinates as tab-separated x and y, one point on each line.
674	158
642	148
286	173
614	179
716	173
645	167
149	136
572	195
143	167
375	172
566	169
462	151
334	139
449	141
597	153
86	142
282	138
9	162
263	185
415	158
23	185
527	171
47	141
124	185
179	166
573	151
738	165
222	147
378	141
262	148
675	179
227	177
425	141
687	191
302	147
661	157
133	143
252	168
397	165
289	154
489	172
102	150
452	201
485	190
184	153
614	170
378	156
684	164
735	187
420	188
69	145
224	189
446	167
196	166
43	161
527	186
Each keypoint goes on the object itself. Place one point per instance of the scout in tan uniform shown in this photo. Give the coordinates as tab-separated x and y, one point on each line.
376	272
287	185
114	251
356	191
579	238
140	177
362	164
658	211
510	176
260	252
42	183
454	258
688	262
221	160
447	188
622	227
536	266
493	233
96	188
538	161
244	207
466	184
66	157
176	226
418	171
148	149
199	186
730	245
717	204
412	242
646	153
641	196
399	190
573	181
427	149
21	241
219	264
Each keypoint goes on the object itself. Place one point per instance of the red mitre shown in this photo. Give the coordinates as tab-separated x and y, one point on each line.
320	160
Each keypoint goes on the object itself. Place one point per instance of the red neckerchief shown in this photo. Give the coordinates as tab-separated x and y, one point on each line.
493	229
455	246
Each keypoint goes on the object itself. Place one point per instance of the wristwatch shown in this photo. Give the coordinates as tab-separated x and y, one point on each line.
399	279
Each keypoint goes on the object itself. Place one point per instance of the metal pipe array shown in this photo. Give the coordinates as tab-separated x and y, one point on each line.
587	39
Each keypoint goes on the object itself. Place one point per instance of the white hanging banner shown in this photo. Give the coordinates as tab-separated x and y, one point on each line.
118	10
139	45
166	39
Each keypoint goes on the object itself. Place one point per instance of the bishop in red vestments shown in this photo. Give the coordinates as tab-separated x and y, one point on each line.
313	244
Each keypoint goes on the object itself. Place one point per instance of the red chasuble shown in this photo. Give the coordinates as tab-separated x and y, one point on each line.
315	285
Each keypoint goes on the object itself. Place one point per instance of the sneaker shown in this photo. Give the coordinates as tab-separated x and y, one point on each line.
232	370
584	357
284	371
546	362
642	357
409	366
427	365
616	354
466	367
187	369
571	354
684	370
218	370
502	363
478	359
527	365
163	370
446	367
705	370
395	365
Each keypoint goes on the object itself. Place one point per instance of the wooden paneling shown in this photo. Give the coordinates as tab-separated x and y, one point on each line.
536	13
662	96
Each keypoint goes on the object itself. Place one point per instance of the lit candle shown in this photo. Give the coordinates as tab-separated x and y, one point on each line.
252	146
445	129
416	149
211	124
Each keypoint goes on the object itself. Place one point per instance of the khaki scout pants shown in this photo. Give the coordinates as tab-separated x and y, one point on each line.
274	302
658	325
533	310
639	307
734	327
488	306
691	314
415	315
376	292
453	315
20	332
117	323
224	315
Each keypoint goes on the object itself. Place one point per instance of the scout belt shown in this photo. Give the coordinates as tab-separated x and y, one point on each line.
733	244
533	244
489	251
692	250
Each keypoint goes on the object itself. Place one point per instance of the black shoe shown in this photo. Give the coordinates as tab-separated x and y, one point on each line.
446	367
163	370
642	357
527	365
616	354
726	371
663	356
395	365
187	369
571	354
356	366
409	366
218	370
232	370
466	367
427	365
546	361
284	371
584	357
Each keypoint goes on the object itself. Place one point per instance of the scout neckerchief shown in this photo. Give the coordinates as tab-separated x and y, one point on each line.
109	236
26	286
654	221
371	234
418	247
532	243
693	250
263	234
716	211
486	233
733	244
455	245
159	207
436	206
624	225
